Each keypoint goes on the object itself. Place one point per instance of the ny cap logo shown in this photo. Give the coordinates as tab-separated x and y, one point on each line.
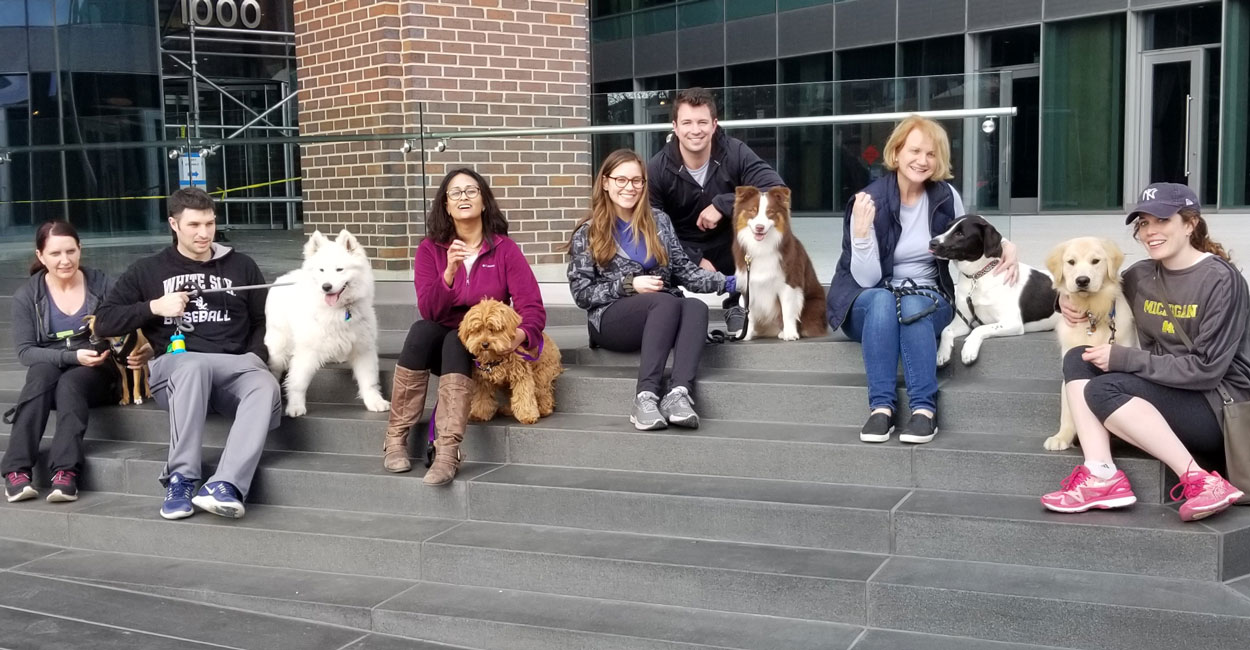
1149	194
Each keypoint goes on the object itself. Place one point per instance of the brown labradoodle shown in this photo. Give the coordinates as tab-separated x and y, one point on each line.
487	332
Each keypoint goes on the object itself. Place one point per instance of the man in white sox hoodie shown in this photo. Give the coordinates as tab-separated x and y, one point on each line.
223	367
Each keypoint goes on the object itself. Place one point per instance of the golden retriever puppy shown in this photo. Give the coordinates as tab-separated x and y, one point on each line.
529	375
1087	272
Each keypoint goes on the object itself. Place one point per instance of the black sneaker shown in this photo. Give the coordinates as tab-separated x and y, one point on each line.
877	428
735	322
64	486
920	428
17	487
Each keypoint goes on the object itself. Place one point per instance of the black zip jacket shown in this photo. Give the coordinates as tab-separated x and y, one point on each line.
226	322
674	191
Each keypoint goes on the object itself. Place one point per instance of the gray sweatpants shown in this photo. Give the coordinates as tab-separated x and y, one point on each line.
237	386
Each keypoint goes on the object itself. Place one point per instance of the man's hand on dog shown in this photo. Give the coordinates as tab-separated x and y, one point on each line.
91	358
170	305
140	357
648	283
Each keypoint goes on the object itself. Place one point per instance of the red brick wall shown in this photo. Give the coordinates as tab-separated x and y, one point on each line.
365	66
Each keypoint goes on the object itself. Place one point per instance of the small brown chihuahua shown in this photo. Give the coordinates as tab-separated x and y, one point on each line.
134	382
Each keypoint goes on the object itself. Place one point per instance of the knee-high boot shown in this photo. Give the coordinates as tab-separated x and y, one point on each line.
407	403
454	394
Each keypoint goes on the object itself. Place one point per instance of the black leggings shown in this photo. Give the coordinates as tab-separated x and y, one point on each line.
71	391
1187	412
656	323
437	348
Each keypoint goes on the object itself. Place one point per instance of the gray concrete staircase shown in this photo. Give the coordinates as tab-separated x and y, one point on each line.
770	528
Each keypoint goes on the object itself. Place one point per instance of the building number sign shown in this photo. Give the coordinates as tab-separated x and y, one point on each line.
226	13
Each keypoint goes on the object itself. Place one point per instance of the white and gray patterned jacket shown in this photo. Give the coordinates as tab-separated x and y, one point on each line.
596	287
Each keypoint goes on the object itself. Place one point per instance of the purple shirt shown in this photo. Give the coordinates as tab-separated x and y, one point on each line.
500	272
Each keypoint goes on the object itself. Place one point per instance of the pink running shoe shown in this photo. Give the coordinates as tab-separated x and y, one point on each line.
1205	494
1083	491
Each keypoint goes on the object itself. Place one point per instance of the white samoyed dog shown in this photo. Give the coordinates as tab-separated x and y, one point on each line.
325	316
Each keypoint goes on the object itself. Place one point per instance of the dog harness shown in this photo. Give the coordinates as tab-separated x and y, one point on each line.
487	367
973	321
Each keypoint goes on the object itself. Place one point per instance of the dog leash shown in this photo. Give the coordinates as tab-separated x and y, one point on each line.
195	291
718	336
520	351
975	321
1093	324
910	288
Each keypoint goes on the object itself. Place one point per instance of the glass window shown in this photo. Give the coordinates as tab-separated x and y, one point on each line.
610	29
1083	114
705	78
807	156
933	56
700	12
1235	152
1011	47
875	62
1183	26
599	8
612	103
655	21
786	5
735	9
12	13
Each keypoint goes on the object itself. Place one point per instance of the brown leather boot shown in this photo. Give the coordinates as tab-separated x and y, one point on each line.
407	403
454	394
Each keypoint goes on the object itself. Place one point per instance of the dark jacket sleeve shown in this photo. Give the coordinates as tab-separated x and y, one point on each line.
752	170
26	334
686	273
125	308
1216	337
434	298
256	312
589	287
657	181
527	299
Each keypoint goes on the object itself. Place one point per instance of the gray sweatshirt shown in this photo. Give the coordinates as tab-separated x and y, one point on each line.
1212	304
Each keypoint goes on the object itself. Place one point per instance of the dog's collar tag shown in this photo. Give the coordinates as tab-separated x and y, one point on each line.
347	315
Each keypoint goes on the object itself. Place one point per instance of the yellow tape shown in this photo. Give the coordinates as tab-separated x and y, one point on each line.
153	198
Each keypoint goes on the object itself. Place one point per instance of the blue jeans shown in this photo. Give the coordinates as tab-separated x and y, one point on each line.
873	322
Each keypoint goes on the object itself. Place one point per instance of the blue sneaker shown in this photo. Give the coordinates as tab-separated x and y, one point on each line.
219	498
178	493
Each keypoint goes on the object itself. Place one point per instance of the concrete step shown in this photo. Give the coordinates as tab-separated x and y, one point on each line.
819	397
68	614
875	639
505	619
723	576
343	441
1056	607
1002	463
336	541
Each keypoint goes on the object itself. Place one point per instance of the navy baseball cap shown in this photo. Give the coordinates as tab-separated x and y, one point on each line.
1164	200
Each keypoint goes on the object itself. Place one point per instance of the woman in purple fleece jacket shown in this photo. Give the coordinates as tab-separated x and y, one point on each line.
466	257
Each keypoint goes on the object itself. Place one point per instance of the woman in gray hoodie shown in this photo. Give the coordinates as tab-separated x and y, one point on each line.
63	370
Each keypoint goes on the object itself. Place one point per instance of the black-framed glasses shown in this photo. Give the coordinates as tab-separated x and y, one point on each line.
470	192
622	181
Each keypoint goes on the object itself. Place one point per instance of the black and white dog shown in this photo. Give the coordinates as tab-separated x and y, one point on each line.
985	306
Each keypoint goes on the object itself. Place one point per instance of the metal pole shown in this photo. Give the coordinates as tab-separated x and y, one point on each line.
249	32
425	202
258	119
195	90
505	133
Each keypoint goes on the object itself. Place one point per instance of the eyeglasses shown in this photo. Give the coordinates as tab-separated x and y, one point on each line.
470	192
622	181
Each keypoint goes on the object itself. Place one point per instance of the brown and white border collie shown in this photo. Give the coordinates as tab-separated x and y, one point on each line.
784	298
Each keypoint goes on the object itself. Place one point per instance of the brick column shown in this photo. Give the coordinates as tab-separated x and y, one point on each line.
366	66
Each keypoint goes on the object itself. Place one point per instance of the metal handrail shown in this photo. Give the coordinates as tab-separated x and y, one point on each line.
409	137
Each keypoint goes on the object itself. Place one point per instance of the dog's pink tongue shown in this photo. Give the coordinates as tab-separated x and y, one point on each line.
332	299
759	236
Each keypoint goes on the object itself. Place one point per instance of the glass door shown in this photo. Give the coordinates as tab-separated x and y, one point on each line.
1172	123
